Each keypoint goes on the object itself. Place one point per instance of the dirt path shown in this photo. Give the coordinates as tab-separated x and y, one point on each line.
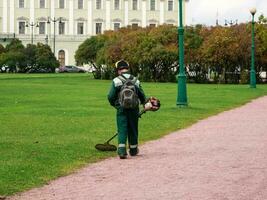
219	158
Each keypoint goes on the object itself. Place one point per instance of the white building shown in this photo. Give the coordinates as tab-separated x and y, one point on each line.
76	20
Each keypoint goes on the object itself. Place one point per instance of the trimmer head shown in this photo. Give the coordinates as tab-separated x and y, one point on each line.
106	147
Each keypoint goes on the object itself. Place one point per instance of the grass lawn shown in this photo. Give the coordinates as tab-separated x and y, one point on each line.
49	124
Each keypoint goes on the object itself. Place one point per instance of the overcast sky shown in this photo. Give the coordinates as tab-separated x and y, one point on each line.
206	11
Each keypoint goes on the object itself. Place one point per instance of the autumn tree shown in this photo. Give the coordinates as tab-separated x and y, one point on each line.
196	70
261	46
218	54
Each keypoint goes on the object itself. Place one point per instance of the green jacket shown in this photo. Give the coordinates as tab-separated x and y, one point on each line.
113	96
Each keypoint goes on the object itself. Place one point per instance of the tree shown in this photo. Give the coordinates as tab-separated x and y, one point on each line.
14	45
87	51
149	52
196	70
13	60
30	58
221	53
261	46
45	58
13	56
2	49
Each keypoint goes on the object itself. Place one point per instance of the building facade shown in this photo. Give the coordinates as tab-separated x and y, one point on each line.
65	24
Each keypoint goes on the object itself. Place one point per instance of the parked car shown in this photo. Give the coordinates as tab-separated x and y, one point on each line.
70	69
39	70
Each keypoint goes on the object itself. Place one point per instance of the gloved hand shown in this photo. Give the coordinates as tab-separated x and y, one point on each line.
148	106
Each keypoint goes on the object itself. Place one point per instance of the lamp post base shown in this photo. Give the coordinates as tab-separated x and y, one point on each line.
181	104
182	96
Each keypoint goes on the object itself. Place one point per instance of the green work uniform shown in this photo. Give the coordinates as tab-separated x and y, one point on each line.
127	119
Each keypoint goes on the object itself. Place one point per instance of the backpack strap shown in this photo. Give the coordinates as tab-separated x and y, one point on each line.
122	78
131	77
134	79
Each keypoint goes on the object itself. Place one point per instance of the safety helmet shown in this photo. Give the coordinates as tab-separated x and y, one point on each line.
121	64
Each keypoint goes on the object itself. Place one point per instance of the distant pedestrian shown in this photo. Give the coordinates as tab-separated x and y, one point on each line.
125	95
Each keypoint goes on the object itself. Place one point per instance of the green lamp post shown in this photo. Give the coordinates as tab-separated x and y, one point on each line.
182	96
252	69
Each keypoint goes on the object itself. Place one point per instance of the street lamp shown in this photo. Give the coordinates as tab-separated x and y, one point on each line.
54	20
182	96
252	69
32	25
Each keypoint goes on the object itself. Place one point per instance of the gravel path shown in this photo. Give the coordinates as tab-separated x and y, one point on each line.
220	158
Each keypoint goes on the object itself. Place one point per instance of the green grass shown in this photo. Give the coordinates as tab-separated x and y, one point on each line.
49	124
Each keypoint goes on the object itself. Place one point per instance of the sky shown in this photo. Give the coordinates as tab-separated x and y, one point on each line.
206	11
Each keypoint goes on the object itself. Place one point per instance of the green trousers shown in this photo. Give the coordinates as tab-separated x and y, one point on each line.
127	123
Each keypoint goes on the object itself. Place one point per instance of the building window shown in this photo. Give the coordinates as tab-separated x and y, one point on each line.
134	4
116	4
80	28
42	28
80	4
42	3
116	26
62	4
152	25
22	26
98	4
21	4
134	25
170	5
152	5
98	28
61	28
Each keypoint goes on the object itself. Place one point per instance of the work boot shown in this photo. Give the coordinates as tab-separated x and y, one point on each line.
122	152
134	151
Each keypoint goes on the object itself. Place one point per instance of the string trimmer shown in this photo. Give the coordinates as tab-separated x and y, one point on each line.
152	104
